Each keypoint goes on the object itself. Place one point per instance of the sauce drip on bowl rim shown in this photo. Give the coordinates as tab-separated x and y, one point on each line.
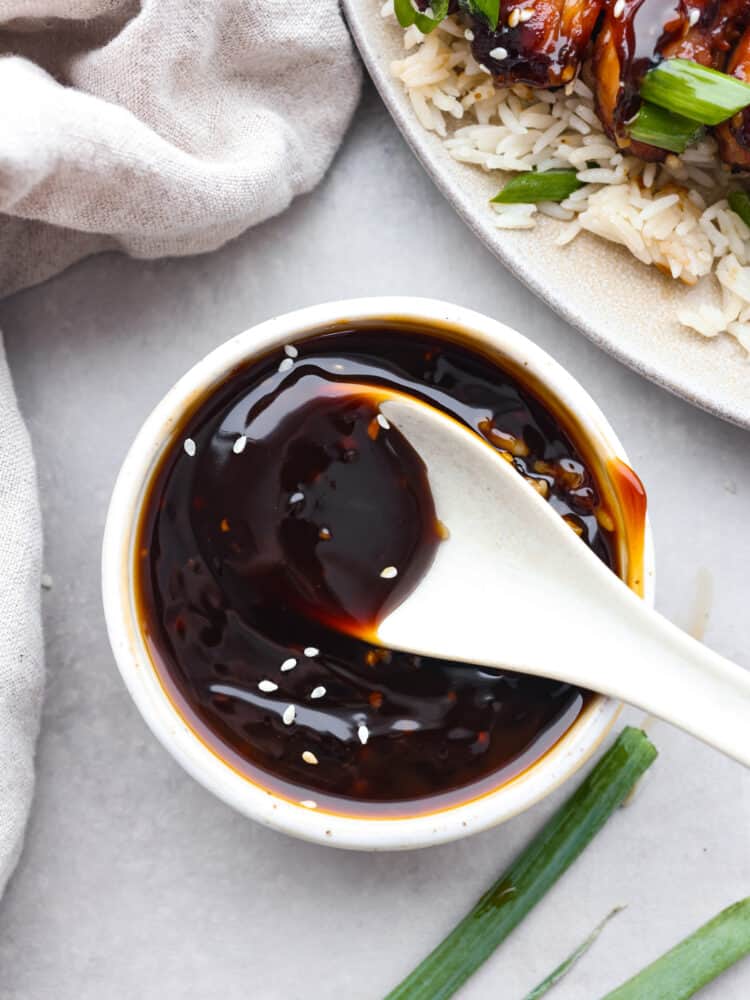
296	517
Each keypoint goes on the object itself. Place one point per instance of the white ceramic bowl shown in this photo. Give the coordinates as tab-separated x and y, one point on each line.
514	352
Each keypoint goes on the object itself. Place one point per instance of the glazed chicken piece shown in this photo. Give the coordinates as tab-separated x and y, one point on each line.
713	33
628	45
537	42
635	38
734	136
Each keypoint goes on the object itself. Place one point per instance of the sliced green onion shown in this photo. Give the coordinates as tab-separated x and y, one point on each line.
694	91
564	967
404	11
546	858
695	961
426	24
407	15
487	9
552	185
739	202
664	129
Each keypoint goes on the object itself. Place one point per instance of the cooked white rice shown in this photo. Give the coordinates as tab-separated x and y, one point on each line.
667	215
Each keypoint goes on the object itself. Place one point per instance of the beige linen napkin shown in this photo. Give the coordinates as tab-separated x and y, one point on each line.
161	127
157	127
20	629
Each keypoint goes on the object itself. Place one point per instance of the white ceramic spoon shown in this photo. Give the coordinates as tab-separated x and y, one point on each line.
514	588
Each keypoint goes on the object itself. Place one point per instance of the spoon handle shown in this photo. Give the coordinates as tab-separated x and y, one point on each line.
514	589
616	645
682	681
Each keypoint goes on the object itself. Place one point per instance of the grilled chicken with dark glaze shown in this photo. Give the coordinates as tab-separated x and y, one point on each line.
628	45
734	136
635	38
713	32
537	42
542	43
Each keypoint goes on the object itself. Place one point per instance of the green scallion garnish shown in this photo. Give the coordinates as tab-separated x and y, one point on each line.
548	856
564	967
658	127
552	185
407	14
404	11
487	9
696	92
695	961
739	202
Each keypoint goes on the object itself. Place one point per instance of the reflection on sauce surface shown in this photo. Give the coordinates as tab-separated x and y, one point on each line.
289	509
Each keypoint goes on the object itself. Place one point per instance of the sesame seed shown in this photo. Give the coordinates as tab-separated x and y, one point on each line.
318	692
469	35
308	803
514	17
695	16
289	713
429	12
268	686
526	14
499	53
239	445
285	365
405	725
484	69
290	350
311	651
296	497
364	734
383	422
289	664
189	446
309	757
619	8
389	572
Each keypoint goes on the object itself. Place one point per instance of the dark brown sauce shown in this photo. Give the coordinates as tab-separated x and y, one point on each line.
633	503
318	503
258	552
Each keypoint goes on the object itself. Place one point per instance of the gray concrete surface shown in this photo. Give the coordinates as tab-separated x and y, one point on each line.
135	882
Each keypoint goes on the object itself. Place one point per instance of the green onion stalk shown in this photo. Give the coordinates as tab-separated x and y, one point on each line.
696	92
695	961
533	873
532	187
739	202
657	127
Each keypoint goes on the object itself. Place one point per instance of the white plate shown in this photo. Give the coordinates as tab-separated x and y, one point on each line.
624	307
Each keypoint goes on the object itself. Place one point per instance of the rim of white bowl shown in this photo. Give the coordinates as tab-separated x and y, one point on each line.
355	832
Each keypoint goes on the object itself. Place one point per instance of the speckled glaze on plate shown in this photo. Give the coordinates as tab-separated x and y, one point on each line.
625	308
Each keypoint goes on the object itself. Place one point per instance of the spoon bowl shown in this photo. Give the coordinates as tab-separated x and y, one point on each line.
513	588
